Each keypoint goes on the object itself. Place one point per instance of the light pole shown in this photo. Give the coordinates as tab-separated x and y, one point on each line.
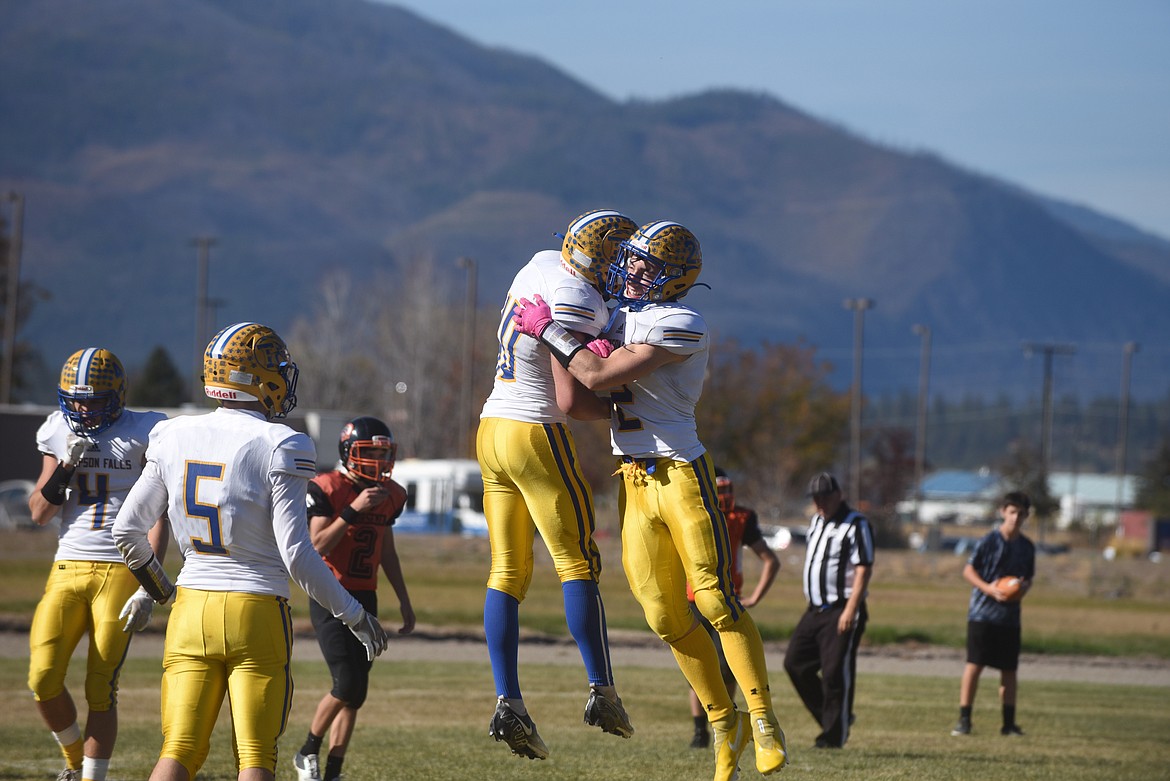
923	401
13	294
468	355
858	305
1048	350
203	244
1128	349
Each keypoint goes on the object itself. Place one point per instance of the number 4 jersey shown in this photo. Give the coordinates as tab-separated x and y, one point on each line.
111	464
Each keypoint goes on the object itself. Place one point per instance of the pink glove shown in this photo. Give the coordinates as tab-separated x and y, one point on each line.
532	317
601	347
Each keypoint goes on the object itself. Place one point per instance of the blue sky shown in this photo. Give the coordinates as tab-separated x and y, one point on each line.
1068	98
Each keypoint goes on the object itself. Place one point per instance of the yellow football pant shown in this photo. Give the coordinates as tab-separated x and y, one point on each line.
533	481
225	642
673	532
80	597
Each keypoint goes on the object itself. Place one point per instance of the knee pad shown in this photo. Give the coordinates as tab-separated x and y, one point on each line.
715	609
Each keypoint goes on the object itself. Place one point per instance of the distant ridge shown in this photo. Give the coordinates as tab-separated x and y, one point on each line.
308	136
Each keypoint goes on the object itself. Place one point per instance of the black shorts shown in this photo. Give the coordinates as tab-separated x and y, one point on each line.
993	645
344	653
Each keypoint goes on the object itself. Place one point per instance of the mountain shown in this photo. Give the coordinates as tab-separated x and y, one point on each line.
308	136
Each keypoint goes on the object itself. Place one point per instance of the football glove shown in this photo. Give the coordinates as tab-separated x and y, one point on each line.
75	446
601	347
532	317
371	634
137	611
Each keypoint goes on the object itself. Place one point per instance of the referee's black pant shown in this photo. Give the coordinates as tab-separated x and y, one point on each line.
822	664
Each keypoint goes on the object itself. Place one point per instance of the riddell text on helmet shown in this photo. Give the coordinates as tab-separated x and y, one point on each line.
223	393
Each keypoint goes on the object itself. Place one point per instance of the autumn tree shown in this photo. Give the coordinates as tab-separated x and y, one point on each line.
769	417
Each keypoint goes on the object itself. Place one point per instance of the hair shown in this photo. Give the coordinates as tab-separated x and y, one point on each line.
1017	499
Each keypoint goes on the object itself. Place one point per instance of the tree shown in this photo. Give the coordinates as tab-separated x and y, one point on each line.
1153	491
887	476
769	417
27	362
1022	470
158	383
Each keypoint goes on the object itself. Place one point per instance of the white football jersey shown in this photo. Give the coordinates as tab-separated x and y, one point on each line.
654	417
112	462
523	388
234	487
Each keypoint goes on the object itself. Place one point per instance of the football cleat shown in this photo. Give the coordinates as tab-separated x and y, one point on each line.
69	775
92	391
731	739
518	731
600	711
1011	729
307	767
771	751
962	728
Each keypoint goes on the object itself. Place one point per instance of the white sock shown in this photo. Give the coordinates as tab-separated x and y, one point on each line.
93	769
69	735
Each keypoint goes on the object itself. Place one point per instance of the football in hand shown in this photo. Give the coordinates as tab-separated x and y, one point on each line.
1011	587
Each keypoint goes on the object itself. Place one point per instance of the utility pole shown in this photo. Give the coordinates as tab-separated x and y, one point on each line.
11	302
465	402
1048	350
203	244
923	402
858	305
1127	351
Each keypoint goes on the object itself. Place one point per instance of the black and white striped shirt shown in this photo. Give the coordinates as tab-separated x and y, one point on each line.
836	547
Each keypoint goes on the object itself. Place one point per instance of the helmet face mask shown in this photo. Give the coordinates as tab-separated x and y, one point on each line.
249	362
660	262
592	241
92	390
367	449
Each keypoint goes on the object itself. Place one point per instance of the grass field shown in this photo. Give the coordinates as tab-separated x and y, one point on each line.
428	720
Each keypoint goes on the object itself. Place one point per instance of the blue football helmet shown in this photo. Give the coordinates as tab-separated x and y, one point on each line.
673	259
92	390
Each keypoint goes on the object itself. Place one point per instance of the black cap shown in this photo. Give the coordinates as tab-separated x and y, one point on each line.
823	483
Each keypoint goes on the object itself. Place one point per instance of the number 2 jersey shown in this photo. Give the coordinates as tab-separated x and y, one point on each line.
357	557
523	388
654	416
112	463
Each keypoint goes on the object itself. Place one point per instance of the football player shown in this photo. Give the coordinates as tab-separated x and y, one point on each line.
533	482
93	450
351	512
743	529
672	529
234	485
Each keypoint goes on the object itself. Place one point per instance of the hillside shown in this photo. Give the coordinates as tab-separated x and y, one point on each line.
309	136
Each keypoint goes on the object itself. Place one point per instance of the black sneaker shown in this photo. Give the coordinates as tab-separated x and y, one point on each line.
702	739
962	728
1011	729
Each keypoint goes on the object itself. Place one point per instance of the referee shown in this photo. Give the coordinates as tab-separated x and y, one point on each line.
822	655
